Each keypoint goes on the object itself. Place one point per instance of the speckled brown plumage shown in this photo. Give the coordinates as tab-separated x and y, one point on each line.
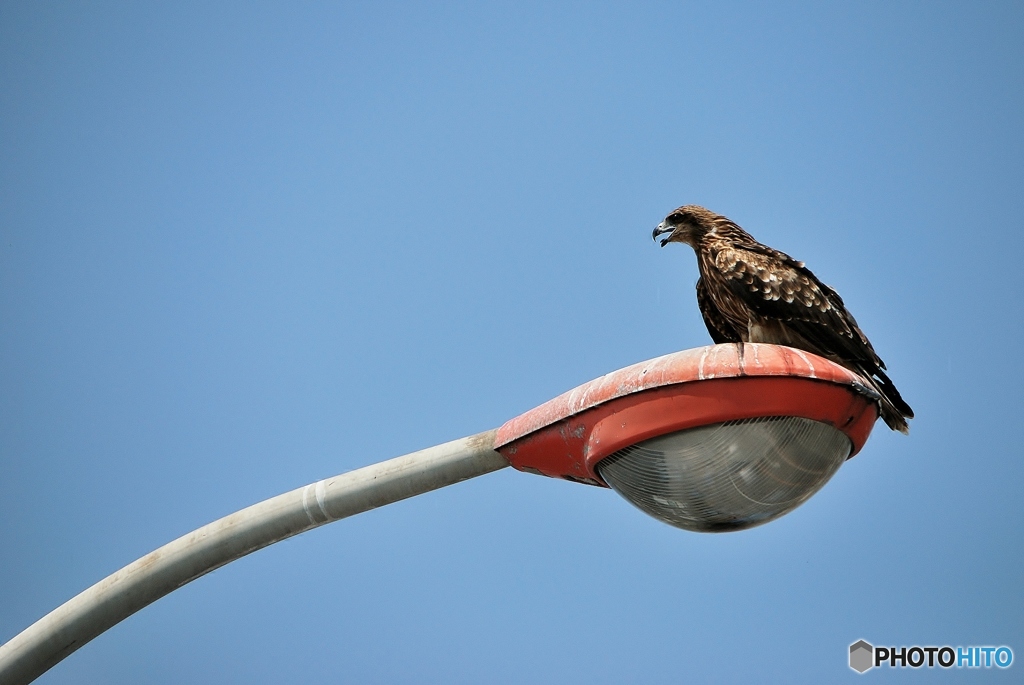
749	292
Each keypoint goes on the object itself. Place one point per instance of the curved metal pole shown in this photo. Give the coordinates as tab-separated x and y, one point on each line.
53	637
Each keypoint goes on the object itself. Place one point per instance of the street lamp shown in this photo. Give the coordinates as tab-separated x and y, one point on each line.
717	438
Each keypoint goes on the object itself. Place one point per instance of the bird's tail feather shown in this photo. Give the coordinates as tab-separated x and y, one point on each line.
892	407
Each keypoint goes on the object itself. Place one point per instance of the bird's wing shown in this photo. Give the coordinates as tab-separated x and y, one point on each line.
777	287
720	329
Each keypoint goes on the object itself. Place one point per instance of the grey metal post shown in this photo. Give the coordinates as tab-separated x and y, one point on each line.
43	644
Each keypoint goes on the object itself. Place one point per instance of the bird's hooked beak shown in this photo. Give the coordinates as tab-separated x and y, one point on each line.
661	229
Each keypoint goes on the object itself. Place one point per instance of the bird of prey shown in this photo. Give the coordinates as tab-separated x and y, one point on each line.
749	292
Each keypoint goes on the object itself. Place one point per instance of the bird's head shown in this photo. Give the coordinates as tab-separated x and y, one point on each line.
688	224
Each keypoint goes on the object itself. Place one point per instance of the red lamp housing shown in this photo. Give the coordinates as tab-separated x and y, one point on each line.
759	427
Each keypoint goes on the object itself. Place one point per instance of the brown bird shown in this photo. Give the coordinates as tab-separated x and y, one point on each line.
748	292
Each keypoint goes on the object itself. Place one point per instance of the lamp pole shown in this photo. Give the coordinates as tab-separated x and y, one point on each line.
47	641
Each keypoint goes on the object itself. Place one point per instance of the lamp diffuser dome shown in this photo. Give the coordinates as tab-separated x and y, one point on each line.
727	476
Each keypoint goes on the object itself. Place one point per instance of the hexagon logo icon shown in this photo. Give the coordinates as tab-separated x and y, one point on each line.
861	656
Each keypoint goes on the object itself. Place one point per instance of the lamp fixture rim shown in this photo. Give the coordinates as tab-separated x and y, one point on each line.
731	360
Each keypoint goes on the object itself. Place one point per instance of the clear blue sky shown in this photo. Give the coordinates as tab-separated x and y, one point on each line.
247	246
